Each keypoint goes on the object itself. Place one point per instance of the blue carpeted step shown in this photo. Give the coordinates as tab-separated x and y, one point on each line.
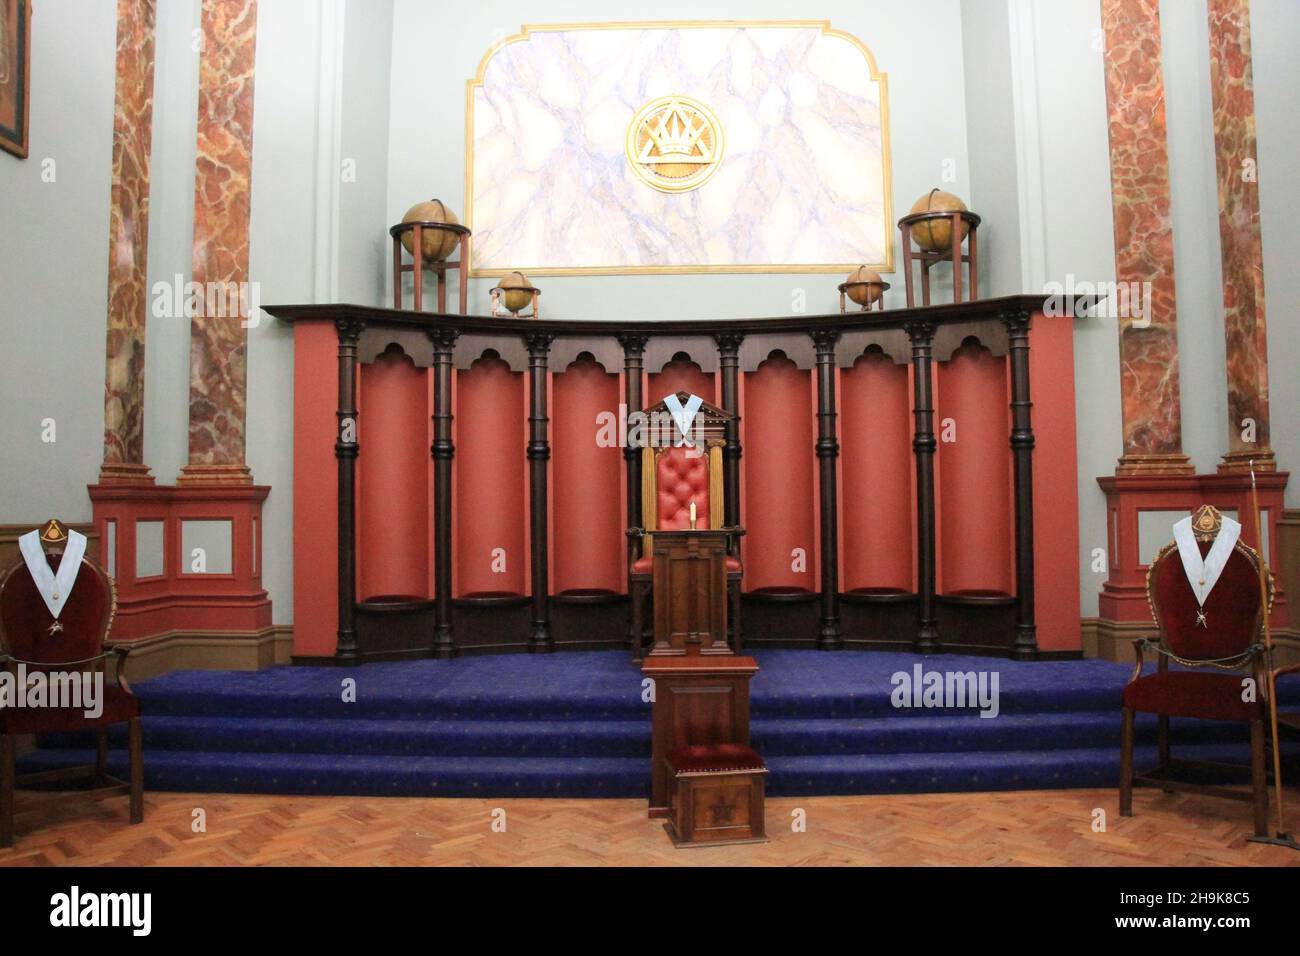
974	771
621	776
369	775
936	734
429	738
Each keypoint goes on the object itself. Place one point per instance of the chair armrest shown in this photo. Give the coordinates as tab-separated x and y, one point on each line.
1140	644
120	651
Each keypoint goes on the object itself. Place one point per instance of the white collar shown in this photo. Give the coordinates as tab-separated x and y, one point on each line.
54	588
1203	573
683	415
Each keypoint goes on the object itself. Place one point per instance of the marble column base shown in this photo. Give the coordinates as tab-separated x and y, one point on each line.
193	474
124	473
1172	463
1240	462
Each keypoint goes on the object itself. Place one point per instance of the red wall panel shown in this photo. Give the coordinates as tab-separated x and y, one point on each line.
678	375
877	463
778	476
586	481
974	472
315	490
392	492
489	486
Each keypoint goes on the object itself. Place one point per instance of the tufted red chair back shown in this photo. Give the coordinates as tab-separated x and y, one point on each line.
680	478
1233	610
86	617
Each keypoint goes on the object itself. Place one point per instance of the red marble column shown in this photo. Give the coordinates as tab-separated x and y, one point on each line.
1239	238
1144	239
218	335
128	242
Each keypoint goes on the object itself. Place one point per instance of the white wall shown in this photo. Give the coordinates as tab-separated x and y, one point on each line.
171	235
54	268
1275	24
435	52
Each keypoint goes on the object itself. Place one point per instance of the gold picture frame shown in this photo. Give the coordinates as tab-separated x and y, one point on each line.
15	75
525	33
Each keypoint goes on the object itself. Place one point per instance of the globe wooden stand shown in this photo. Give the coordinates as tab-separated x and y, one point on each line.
928	259
439	269
498	302
878	305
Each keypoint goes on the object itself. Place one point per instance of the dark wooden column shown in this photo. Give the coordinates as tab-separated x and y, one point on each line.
1025	646
539	454
346	450
828	453
921	334
633	354
729	362
444	340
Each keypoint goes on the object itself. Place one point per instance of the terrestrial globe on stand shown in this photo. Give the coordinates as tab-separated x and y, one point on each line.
430	233
865	288
935	231
515	292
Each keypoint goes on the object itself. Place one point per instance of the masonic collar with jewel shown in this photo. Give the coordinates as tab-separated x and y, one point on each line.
1203	573
54	588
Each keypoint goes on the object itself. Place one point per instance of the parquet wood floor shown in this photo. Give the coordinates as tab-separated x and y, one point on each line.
998	829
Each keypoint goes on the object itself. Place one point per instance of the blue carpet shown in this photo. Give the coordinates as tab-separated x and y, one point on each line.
573	724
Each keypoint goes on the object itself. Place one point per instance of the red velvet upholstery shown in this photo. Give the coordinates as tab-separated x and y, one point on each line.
646	564
714	758
681	476
27	620
1209	696
1232	610
119	706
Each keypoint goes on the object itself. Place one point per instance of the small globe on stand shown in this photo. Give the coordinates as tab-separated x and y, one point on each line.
515	292
935	235
864	286
436	244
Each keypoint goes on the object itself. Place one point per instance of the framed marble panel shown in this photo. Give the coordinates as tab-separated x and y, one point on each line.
709	146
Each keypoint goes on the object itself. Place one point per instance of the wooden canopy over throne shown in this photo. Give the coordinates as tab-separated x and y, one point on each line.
680	469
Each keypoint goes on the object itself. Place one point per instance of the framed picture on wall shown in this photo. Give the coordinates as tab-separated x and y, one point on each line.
15	74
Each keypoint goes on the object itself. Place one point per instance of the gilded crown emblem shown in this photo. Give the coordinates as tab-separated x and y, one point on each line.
674	143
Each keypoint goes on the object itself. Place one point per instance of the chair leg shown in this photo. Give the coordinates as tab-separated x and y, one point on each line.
6	791
135	753
1126	765
1259	777
101	754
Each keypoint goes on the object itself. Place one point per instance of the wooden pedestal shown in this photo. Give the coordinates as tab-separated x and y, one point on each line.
697	700
690	592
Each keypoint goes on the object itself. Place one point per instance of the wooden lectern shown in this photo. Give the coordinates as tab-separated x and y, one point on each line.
690	591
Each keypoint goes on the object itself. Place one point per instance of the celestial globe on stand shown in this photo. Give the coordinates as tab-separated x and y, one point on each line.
437	244
864	295
935	235
516	292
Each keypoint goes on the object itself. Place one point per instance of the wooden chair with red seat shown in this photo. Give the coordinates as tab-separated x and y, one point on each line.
673	477
1220	643
33	640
